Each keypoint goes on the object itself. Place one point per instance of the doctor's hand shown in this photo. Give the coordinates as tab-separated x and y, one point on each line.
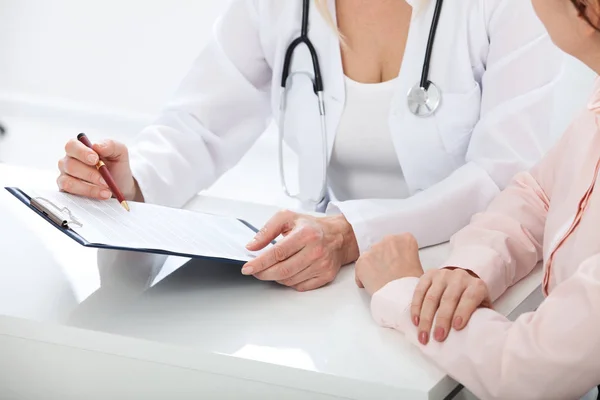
78	173
393	258
310	254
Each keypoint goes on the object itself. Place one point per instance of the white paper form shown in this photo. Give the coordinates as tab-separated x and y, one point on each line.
152	227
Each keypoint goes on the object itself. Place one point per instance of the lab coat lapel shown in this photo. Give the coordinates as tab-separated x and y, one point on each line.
330	58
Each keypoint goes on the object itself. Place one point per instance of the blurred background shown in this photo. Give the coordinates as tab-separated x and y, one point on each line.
106	68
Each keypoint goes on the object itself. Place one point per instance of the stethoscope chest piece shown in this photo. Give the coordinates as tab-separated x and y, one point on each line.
423	102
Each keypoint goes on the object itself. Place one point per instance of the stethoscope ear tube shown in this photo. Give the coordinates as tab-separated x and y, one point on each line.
303	39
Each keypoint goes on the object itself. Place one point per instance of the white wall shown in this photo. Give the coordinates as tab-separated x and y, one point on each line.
116	56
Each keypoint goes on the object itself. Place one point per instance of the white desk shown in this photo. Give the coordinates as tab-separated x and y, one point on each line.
203	332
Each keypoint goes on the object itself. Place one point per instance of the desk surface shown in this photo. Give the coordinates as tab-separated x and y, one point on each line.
207	316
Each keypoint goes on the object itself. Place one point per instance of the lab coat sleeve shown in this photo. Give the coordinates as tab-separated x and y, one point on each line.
513	132
217	113
548	354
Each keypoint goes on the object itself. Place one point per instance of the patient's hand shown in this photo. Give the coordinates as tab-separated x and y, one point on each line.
393	258
454	294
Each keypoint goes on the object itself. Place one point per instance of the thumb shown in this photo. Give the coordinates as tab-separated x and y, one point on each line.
111	150
358	282
278	224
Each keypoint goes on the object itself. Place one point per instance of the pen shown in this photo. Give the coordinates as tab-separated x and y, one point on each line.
103	169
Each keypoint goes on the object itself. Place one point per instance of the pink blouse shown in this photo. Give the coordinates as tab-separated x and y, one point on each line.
551	213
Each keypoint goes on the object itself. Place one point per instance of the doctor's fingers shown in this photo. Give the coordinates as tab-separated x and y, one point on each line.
287	268
68	184
280	223
77	150
281	251
325	270
77	169
312	284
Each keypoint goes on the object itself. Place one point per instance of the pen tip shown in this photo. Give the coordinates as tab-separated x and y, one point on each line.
125	205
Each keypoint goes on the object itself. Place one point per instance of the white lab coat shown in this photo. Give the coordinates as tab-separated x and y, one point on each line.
493	62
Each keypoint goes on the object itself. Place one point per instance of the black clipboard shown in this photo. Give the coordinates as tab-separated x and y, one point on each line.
62	222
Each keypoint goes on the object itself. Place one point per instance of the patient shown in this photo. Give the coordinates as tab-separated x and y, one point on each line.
551	213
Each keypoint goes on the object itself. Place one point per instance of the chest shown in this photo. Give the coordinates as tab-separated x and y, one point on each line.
436	144
374	37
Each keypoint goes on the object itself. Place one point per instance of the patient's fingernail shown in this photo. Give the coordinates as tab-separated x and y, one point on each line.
439	334
247	270
423	338
458	322
416	320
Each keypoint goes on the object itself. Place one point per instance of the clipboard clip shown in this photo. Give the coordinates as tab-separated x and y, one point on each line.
55	213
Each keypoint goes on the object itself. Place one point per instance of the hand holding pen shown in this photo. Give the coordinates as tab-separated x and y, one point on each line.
85	168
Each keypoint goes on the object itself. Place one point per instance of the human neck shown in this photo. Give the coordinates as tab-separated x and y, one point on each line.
594	62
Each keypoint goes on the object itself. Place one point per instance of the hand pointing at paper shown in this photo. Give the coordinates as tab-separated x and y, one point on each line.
309	256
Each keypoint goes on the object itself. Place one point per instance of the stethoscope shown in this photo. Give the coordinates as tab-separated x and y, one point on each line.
423	99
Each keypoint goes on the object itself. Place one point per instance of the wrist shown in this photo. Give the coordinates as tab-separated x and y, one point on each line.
134	193
348	246
413	273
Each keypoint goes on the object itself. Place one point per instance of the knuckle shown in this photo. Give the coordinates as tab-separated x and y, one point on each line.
450	297
431	298
426	322
69	145
91	176
61	165
285	282
318	252
407	238
285	214
263	231
443	320
93	191
329	275
279	253
123	150
479	285
432	274
285	272
67	165
419	293
404	236
389	239
65	183
310	233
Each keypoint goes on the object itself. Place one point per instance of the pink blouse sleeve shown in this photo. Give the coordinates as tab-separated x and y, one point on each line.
503	244
551	353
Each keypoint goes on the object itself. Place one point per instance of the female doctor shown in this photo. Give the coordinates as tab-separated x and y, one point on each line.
479	75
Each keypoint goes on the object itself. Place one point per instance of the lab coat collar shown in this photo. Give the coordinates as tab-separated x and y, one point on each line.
328	43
